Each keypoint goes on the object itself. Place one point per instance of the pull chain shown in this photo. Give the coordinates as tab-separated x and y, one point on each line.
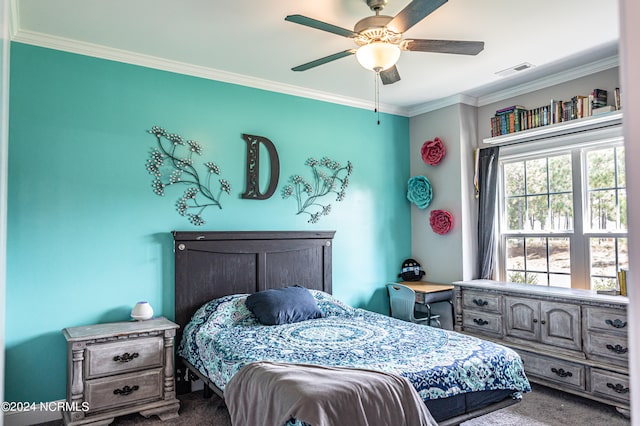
376	78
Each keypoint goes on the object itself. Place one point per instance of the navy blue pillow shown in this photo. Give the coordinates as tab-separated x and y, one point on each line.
283	305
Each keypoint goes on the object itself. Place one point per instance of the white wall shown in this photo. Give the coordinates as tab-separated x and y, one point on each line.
4	121
439	255
630	70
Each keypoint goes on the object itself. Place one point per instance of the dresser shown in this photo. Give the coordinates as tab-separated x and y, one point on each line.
120	368
571	340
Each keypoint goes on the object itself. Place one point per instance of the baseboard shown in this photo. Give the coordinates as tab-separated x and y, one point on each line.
42	413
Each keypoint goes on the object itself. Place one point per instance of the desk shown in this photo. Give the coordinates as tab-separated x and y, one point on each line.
428	293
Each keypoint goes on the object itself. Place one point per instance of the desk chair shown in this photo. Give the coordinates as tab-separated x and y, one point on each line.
403	302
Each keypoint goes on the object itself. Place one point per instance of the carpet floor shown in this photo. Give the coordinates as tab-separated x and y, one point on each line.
542	407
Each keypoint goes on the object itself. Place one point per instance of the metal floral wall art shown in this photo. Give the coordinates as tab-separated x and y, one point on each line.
328	176
171	163
433	152
419	191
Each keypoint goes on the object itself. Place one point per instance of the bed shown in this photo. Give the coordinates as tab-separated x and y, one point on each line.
457	376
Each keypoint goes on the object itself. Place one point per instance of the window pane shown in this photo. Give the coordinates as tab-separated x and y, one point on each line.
558	280
622	175
600	283
516	210
601	169
514	178
559	255
561	206
623	254
537	176
622	206
537	213
536	251
538	279
603	257
560	173
602	210
515	253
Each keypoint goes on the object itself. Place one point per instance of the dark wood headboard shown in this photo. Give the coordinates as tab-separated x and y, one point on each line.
209	265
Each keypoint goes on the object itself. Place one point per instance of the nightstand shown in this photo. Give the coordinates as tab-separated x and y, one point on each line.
120	368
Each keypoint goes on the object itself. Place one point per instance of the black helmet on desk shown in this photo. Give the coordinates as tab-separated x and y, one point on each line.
411	270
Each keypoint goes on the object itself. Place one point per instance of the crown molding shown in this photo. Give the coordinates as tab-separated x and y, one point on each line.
118	55
442	103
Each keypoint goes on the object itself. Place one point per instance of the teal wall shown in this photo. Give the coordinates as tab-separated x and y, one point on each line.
87	237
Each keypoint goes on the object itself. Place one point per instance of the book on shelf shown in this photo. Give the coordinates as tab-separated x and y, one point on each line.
599	98
603	110
616	99
622	281
515	118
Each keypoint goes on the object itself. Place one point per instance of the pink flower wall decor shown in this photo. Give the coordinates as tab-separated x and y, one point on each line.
441	221
433	151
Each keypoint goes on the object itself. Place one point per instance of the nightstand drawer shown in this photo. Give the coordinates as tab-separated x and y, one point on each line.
481	301
482	322
567	373
607	320
119	357
119	391
610	385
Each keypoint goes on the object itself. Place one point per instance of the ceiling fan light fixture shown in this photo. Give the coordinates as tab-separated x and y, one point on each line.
378	56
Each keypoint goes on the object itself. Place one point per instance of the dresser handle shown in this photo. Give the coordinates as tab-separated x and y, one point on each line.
617	349
616	323
480	321
480	302
618	388
560	372
126	390
126	357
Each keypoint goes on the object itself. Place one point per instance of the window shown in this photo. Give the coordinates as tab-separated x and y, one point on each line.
563	215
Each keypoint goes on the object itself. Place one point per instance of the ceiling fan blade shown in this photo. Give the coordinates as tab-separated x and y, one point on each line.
444	46
413	13
390	75
314	23
324	60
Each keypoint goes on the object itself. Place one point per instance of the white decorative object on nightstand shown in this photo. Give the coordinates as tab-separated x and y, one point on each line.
120	368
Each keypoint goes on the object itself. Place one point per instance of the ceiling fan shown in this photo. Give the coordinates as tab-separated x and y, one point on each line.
379	38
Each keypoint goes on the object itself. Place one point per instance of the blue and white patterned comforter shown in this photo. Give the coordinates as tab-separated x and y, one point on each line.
223	336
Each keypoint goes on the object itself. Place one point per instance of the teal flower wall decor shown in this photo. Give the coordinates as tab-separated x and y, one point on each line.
168	168
419	191
327	175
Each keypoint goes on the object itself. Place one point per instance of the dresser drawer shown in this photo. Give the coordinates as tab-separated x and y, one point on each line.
614	348
122	356
124	389
555	370
479	300
610	385
607	320
482	322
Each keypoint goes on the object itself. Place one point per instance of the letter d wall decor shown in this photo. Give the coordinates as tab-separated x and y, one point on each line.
253	167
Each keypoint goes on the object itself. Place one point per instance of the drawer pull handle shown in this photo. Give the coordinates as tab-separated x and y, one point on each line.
480	321
126	390
617	349
616	323
126	357
560	372
618	388
480	302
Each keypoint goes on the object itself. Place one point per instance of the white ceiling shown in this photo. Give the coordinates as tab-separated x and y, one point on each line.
249	42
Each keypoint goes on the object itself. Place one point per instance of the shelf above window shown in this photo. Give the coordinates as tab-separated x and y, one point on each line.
559	129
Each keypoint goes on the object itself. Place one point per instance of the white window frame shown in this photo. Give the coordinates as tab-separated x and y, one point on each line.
575	142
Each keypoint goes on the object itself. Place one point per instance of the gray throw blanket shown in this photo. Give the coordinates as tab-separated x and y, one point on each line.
269	394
